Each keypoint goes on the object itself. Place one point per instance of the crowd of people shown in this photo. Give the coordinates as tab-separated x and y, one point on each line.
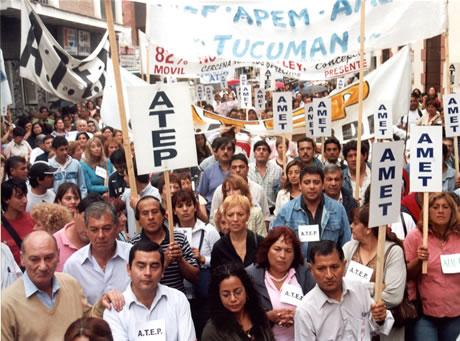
268	242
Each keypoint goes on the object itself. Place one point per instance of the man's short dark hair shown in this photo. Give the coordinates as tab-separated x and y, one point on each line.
145	246
137	213
118	157
42	108
60	141
306	139
12	162
262	143
241	157
353	145
47	137
333	140
8	188
223	141
19	132
313	170
324	248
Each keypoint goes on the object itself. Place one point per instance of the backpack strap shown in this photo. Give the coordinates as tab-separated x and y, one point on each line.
201	240
11	231
403	224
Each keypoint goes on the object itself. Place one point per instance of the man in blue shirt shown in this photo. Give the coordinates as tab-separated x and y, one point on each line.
213	176
313	208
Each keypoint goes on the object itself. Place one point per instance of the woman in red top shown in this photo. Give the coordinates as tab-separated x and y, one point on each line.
439	289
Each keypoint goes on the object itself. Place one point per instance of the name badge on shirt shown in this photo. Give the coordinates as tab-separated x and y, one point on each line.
291	294
359	272
188	233
450	264
154	330
309	233
101	172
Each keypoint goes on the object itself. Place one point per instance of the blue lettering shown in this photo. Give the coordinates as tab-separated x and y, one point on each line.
386	174
452	101
342	42
208	9
221	42
293	16
382	115
452	110
382	107
253	55
429	152
296	50
322	112
259	15
339	7
318	46
236	45
387	155
384	207
321	104
424	167
191	9
270	55
277	18
241	14
453	119
385	191
424	138
424	179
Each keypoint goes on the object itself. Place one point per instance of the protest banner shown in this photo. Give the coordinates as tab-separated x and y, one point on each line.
282	112
200	92
5	93
383	121
289	30
426	168
340	83
243	80
267	79
47	64
209	94
452	122
246	97
260	100
309	119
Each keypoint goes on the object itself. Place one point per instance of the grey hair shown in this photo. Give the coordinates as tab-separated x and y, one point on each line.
331	168
98	209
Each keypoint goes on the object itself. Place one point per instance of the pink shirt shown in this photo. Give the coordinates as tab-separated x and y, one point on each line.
281	333
66	248
440	292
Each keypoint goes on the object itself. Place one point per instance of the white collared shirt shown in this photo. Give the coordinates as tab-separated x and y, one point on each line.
319	317
169	305
94	280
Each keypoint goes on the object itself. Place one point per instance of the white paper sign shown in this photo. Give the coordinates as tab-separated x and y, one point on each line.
246	97
223	81
309	119
162	127
450	264
340	83
282	111
452	115
243	80
359	272
154	330
322	117
386	179
291	294
267	79
426	159
208	90
383	118
101	172
260	100
187	231
238	92
309	233
200	92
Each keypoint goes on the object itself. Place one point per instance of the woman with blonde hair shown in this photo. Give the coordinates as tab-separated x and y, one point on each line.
96	166
50	217
240	244
235	184
439	289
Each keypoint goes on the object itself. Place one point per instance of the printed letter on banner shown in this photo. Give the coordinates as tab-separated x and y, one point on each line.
162	127
246	96
309	233
358	272
260	100
322	117
383	118
386	177
282	112
452	114
309	119
426	159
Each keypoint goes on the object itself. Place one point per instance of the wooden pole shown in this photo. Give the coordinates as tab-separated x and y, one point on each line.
322	149
456	157
284	154
360	97
147	68
120	99
167	187
380	263
425	229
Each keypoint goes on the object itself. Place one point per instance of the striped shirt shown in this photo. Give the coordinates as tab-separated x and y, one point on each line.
172	276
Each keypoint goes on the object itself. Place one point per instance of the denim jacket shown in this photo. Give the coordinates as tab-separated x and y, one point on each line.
334	220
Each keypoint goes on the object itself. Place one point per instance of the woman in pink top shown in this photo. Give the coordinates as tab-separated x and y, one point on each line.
280	279
439	289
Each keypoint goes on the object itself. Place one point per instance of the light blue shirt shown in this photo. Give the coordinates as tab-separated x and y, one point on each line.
94	280
30	289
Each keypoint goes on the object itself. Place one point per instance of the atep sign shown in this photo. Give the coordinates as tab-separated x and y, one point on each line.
162	127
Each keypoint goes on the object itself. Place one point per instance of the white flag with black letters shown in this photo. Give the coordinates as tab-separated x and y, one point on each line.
44	62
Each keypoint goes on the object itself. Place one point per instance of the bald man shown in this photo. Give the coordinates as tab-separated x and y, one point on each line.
42	304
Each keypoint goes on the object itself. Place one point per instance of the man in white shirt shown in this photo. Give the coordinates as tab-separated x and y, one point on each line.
336	309
414	114
41	179
151	309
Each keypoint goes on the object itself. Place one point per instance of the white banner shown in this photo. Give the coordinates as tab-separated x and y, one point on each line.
426	159
5	93
383	121
452	115
309	119
44	62
306	31
260	100
209	94
386	176
246	97
322	117
162	127
282	111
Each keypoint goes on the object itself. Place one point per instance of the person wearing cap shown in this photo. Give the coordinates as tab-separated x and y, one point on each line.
41	179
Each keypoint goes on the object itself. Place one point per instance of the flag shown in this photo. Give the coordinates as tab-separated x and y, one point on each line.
44	62
5	93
